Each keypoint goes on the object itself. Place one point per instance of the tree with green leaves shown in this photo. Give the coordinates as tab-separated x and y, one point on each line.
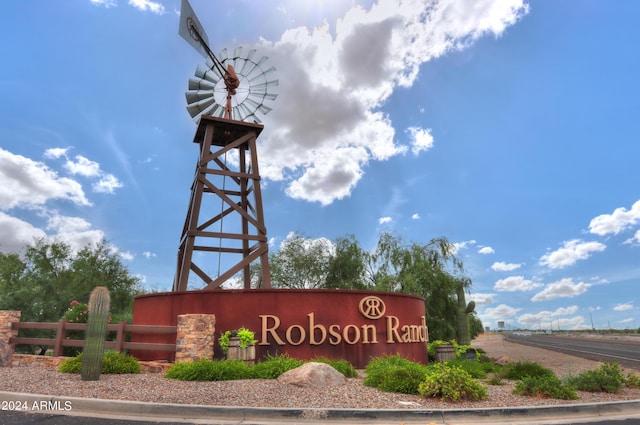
301	262
44	281
429	270
346	265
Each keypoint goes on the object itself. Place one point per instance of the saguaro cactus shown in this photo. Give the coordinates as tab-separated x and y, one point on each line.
462	323
99	303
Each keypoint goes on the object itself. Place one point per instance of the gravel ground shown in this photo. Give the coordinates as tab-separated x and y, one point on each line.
151	387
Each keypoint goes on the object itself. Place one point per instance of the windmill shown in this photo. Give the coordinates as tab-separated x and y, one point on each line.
225	218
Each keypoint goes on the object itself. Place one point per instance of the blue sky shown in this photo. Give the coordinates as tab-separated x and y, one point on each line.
508	127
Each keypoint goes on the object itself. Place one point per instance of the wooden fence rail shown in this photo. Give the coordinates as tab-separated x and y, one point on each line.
119	344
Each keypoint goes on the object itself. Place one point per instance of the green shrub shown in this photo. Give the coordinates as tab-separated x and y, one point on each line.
275	366
632	381
495	379
245	336
477	370
394	374
461	351
450	382
342	366
520	370
113	363
71	365
209	370
607	378
544	386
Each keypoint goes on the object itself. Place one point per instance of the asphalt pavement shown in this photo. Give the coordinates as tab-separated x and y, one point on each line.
625	351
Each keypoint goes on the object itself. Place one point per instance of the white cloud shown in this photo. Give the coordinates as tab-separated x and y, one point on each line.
421	139
105	3
482	299
515	283
501	266
500	312
457	246
621	219
108	183
331	180
15	234
564	288
562	311
80	165
83	166
623	307
486	250
629	320
383	220
149	5
74	231
126	255
54	153
310	244
635	239
415	216
549	320
320	151
570	253
28	184
544	317
148	254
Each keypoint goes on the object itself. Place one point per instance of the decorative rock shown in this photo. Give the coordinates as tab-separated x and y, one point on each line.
314	375
5	354
502	360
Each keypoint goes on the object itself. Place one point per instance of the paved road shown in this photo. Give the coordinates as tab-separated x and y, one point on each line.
625	352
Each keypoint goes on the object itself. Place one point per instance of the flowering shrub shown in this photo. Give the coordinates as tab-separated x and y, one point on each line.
76	313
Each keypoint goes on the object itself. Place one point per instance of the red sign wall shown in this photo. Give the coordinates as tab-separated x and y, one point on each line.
350	325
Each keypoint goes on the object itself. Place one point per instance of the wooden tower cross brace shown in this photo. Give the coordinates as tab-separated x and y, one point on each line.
218	137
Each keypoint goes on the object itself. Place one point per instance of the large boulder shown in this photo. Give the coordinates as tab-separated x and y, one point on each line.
5	353
314	375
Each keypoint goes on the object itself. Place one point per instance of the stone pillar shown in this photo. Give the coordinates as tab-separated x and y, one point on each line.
7	319
195	337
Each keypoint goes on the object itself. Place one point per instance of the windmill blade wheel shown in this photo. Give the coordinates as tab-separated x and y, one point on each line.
208	92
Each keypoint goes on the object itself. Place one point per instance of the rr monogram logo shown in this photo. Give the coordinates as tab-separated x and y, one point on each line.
372	307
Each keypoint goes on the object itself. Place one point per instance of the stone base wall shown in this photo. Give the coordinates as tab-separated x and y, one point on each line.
51	361
7	319
195	337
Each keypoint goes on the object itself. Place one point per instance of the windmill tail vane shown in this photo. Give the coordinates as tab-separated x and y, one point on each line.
192	31
233	88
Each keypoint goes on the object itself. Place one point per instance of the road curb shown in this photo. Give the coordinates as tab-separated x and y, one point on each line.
138	409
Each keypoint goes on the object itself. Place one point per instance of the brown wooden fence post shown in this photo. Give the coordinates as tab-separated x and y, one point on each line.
60	334
120	336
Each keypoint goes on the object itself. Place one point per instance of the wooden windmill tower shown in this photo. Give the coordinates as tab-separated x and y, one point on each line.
225	221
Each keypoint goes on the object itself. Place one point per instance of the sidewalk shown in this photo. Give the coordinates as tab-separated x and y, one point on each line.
158	412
